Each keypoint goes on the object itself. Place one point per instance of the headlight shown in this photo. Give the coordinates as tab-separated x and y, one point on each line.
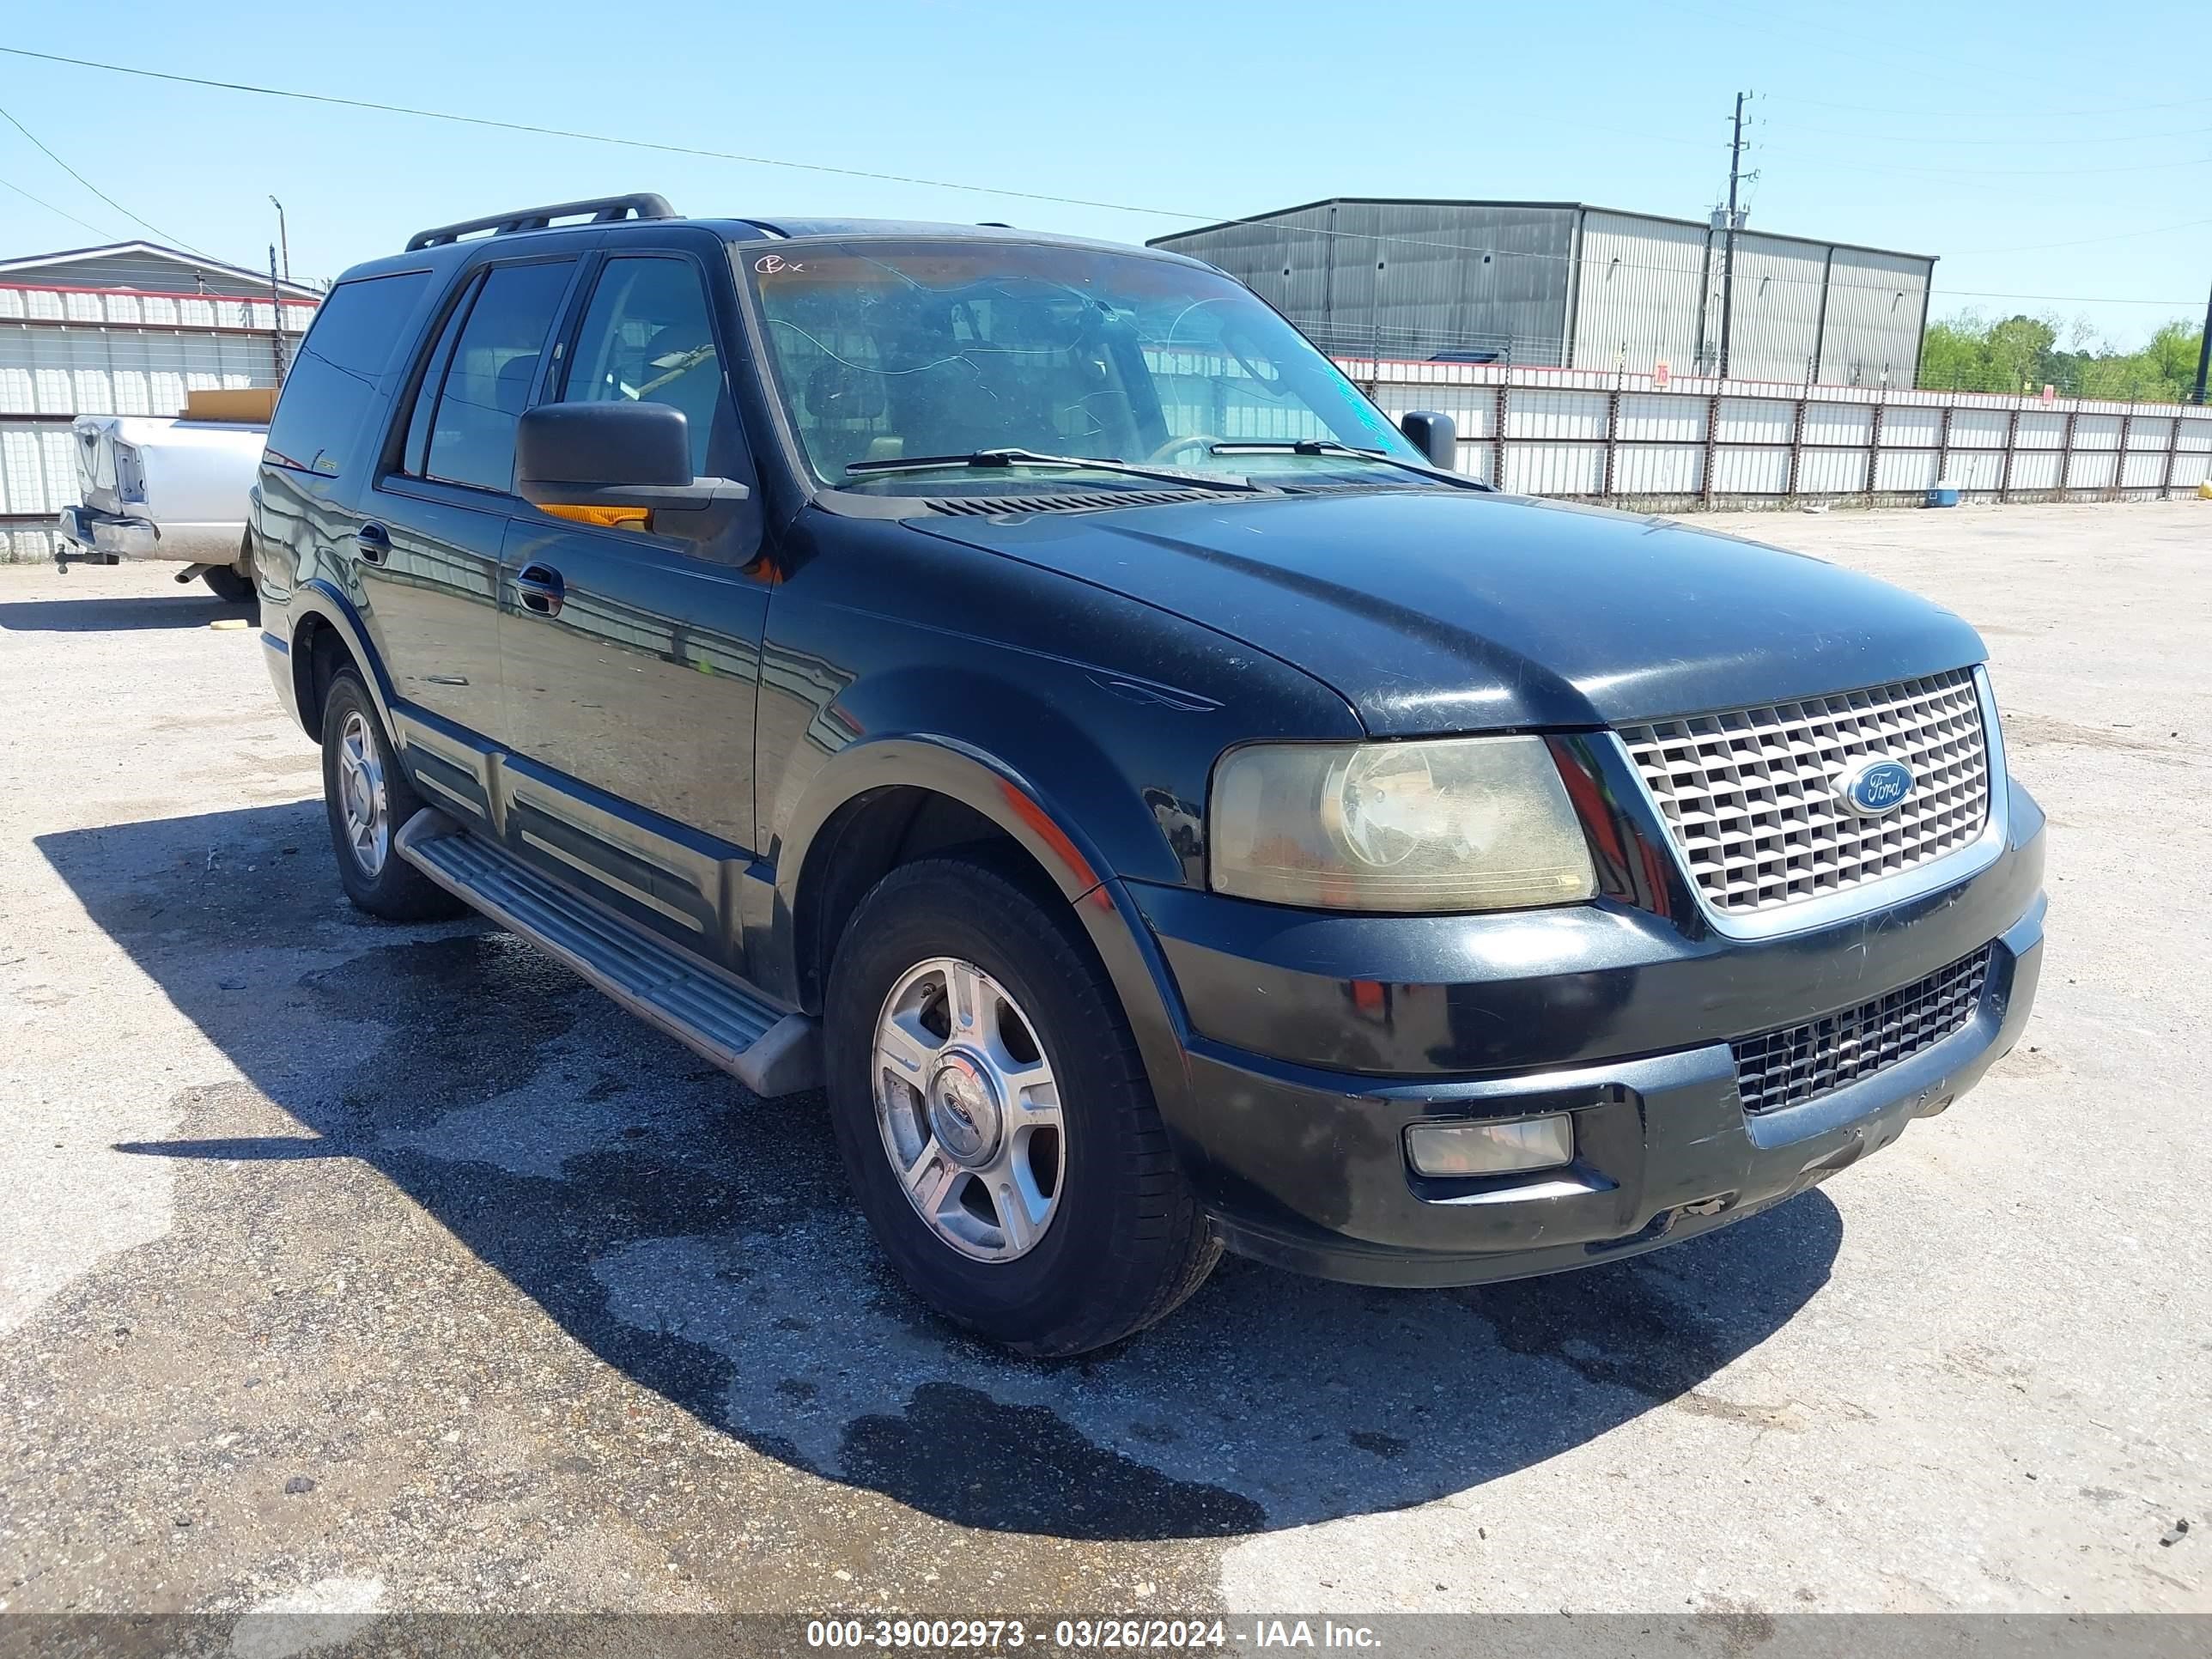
1458	823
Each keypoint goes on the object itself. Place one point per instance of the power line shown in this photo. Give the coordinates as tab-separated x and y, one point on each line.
1923	139
2085	241
2019	173
703	153
1923	111
535	130
63	213
1829	45
178	240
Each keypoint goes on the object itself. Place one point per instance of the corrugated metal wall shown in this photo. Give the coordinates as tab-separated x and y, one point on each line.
1578	288
1409	278
1877	308
1284	257
73	370
1776	330
1637	294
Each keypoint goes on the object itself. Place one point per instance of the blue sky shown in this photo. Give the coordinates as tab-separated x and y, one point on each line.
1984	135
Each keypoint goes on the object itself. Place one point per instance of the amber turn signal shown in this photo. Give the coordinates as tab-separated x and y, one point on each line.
618	518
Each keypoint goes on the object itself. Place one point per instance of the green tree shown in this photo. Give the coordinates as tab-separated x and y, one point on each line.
2172	354
2021	354
1952	358
2020	350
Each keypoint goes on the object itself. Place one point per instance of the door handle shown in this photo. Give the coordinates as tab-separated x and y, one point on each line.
374	542
541	589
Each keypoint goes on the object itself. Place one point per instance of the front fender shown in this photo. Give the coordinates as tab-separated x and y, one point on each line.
1032	800
1109	773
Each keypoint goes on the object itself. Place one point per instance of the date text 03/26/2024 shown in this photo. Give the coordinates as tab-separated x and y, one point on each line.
1082	1635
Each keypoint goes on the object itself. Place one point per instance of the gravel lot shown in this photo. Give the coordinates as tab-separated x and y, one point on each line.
370	1267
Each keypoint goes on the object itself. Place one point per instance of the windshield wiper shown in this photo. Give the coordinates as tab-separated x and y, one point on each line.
1012	458
1330	446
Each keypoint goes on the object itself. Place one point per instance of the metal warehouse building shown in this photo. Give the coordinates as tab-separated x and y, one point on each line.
127	329
1562	285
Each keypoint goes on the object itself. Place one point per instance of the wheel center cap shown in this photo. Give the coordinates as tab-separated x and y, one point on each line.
963	1110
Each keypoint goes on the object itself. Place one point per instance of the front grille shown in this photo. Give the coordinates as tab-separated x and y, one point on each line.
1751	795
1803	1062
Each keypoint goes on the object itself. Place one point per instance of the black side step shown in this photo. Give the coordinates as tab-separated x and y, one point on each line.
770	1052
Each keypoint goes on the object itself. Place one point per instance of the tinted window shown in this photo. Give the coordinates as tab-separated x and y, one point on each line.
426	389
487	384
647	338
356	333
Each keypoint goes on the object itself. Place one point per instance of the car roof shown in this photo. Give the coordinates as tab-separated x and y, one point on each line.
763	231
796	229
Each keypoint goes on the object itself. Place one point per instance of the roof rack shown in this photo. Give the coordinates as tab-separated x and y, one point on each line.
603	210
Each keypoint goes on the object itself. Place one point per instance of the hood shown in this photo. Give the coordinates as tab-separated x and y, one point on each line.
1434	611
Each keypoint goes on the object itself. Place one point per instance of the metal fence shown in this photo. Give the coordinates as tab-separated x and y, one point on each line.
1671	443
2143	376
1684	443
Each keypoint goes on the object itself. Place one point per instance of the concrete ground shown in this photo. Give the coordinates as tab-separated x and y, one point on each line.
355	1267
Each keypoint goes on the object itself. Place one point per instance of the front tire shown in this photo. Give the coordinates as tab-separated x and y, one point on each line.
995	1119
368	798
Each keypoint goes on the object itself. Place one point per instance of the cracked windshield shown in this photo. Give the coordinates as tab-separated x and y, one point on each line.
935	369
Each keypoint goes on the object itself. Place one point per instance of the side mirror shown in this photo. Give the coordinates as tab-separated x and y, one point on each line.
1434	436
619	462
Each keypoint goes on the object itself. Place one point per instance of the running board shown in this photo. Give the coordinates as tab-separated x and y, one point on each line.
770	1052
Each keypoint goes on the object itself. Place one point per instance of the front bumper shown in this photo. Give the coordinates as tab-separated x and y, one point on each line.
1618	1017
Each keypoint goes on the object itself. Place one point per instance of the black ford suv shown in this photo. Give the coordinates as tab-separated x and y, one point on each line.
1018	686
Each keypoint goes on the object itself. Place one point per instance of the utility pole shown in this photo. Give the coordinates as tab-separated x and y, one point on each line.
1728	256
284	241
2204	350
276	320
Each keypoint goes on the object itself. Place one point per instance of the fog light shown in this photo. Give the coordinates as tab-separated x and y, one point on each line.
1485	1149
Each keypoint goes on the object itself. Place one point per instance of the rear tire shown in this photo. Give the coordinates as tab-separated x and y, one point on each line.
229	584
1110	1238
369	799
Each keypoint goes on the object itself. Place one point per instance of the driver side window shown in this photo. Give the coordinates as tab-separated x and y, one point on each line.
648	337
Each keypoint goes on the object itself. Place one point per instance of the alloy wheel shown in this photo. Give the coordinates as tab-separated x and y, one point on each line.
968	1110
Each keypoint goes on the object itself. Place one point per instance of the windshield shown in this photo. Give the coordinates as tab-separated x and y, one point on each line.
887	354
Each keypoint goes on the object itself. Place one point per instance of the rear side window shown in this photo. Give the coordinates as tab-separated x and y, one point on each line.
429	382
488	377
356	334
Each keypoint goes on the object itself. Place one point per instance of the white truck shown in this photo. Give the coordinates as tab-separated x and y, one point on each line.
170	487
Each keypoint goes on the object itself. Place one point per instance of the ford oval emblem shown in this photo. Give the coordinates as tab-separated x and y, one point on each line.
1876	786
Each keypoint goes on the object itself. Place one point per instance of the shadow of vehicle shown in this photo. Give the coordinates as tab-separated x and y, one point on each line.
700	1240
121	613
